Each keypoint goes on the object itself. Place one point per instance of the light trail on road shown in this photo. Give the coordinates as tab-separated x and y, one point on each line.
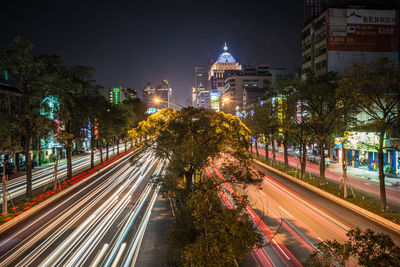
276	252
365	186
43	177
101	224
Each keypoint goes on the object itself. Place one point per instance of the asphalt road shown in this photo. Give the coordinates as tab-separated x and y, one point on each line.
42	177
364	187
293	220
101	223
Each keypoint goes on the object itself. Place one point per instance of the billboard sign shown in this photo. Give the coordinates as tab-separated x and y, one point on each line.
215	97
362	30
338	142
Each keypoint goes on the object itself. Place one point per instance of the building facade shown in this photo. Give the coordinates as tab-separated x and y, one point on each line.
201	94
313	8
339	38
162	92
246	86
224	67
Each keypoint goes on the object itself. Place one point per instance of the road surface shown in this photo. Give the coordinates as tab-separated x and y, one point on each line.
99	224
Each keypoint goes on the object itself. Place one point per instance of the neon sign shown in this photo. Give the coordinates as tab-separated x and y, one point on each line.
116	91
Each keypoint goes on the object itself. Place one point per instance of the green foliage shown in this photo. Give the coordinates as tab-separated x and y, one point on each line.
191	137
369	248
34	76
215	235
204	232
375	91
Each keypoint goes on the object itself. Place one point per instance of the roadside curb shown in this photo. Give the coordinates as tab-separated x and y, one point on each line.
48	201
363	212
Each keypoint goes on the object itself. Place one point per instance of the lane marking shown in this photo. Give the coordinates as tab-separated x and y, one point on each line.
306	203
287	257
121	250
100	256
290	215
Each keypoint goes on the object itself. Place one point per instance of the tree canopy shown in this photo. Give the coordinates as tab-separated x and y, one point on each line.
204	232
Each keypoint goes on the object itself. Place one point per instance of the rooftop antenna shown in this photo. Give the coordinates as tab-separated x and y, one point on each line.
225	47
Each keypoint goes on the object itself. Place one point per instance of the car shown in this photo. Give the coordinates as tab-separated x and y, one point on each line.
22	164
78	151
327	160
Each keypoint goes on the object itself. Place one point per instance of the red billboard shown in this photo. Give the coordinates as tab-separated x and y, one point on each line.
362	30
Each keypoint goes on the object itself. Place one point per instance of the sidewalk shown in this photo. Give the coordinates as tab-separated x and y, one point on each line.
153	249
363	174
334	168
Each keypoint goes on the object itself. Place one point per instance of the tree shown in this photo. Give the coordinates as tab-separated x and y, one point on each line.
135	111
34	77
346	122
71	84
321	110
265	119
375	91
287	113
251	123
94	106
222	237
369	248
10	141
190	139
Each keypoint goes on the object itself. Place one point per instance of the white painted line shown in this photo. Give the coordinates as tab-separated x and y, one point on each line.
287	257
121	250
99	256
290	215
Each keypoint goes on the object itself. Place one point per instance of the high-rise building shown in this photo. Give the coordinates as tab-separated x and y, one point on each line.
280	74
114	94
225	66
341	37
201	93
222	68
149	92
246	86
162	92
313	8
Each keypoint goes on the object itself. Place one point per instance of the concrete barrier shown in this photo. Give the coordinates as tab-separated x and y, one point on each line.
363	212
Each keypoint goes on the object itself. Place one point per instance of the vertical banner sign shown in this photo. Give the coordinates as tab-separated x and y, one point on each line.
116	91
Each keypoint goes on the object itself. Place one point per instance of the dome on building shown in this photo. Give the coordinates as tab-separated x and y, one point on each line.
225	62
226	58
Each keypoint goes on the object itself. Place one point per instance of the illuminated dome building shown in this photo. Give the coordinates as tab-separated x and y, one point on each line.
225	66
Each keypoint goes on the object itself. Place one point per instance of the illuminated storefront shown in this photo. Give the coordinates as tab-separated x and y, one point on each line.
363	152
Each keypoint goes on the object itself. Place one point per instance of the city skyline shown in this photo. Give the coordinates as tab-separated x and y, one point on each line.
129	45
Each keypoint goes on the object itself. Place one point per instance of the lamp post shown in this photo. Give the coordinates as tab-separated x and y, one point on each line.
157	100
227	100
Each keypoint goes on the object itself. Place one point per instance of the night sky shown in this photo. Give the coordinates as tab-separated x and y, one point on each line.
131	42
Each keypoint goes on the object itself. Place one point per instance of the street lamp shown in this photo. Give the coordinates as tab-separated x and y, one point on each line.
158	100
227	100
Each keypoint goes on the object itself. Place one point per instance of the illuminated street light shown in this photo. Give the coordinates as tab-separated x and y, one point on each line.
157	100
